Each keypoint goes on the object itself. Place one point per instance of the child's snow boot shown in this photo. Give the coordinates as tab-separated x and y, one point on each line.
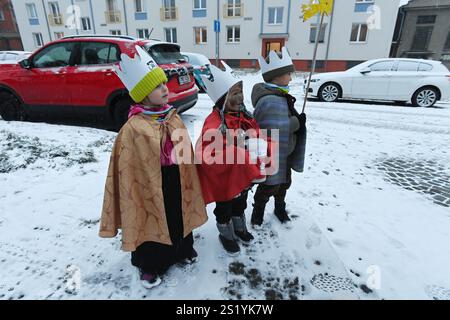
240	229
227	238
257	215
149	280
280	212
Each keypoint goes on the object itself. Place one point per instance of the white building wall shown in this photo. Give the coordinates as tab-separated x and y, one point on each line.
379	38
254	26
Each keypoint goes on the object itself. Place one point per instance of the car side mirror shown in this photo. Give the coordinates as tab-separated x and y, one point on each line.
366	71
25	63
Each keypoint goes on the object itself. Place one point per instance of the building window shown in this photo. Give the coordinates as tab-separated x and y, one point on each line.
276	15
115	32
429	19
113	15
54	9
2	16
31	10
363	5
171	34
312	34
169	10
111	5
86	24
32	14
140	6
59	35
38	40
421	38
359	33
143	33
233	34
200	34
233	8
447	43
199	4
199	10
140	10
55	18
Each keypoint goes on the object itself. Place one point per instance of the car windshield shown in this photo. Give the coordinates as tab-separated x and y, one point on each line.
165	53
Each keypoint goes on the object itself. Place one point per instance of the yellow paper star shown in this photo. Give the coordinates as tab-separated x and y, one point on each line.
312	9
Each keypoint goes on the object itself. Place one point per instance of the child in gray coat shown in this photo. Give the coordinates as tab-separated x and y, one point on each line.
274	110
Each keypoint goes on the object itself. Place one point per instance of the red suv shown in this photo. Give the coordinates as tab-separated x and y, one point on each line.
74	76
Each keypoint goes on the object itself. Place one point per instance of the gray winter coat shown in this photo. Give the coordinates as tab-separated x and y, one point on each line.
272	111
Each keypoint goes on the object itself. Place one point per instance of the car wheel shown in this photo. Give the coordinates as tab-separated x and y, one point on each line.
329	92
425	97
121	110
10	107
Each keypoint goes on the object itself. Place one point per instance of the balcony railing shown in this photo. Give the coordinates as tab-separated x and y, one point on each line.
55	20
233	11
169	13
113	17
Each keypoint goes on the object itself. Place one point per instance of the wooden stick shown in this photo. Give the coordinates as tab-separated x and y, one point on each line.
313	67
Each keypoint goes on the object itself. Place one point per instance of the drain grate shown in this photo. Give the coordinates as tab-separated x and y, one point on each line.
437	293
330	283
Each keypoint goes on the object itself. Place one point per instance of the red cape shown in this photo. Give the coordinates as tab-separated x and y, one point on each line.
223	182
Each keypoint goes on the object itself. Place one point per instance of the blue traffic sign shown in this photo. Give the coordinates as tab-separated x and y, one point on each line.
216	26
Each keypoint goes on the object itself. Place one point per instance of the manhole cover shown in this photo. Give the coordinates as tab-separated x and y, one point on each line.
437	293
331	283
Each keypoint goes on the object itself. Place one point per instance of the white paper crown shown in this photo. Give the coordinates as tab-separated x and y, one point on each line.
275	62
140	75
220	82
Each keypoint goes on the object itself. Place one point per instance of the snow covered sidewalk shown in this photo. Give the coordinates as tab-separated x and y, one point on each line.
371	214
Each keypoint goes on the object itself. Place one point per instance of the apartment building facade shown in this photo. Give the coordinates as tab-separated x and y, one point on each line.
423	31
9	32
238	31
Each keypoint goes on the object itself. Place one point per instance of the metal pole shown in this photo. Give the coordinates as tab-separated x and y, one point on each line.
313	67
217	34
330	28
125	16
75	17
46	20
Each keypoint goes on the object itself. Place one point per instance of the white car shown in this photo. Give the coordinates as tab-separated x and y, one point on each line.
421	82
13	56
201	67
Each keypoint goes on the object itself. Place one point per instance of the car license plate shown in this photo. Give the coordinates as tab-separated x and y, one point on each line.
184	79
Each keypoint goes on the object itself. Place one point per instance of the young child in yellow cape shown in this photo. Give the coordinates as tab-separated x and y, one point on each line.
151	194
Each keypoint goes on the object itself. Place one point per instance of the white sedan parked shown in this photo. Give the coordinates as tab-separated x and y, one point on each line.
13	56
421	82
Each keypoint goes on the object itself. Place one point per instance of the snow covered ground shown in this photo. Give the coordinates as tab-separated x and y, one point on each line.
371	214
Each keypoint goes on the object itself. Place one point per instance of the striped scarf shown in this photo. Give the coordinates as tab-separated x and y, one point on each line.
157	114
284	89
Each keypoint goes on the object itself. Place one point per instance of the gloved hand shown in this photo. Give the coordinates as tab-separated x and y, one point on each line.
302	119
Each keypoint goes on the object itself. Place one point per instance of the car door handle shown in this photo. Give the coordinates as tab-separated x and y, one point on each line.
109	74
